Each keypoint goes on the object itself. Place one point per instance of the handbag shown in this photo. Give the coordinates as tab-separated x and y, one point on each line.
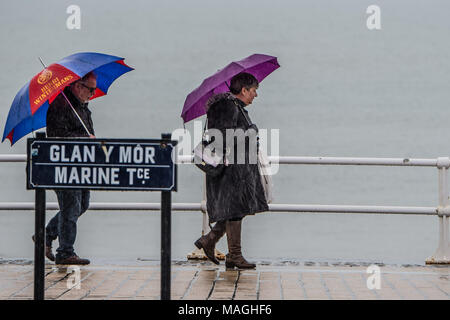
266	178
207	159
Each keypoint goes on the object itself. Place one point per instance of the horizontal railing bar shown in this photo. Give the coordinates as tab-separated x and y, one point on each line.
13	157
272	207
300	160
352	209
405	162
104	206
357	161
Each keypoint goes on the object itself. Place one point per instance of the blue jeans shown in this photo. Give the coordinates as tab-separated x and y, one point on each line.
72	204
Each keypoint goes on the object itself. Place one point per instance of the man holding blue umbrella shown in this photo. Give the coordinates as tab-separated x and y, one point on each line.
28	111
63	121
57	98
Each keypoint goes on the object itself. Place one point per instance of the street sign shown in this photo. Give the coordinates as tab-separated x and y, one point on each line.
101	164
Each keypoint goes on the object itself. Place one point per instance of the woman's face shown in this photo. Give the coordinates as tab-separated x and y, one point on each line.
248	95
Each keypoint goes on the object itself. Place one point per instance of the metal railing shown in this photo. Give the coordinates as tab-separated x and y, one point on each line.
441	256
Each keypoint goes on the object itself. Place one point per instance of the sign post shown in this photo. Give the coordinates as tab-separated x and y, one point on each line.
166	217
39	240
102	164
39	251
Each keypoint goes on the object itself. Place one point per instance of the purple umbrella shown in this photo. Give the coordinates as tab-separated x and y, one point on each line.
259	65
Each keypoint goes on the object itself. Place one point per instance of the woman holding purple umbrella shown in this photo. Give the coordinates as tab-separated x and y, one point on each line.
238	191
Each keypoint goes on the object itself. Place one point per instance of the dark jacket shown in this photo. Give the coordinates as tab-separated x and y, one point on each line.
238	191
62	121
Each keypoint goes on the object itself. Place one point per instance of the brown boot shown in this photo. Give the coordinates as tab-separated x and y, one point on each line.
234	257
208	241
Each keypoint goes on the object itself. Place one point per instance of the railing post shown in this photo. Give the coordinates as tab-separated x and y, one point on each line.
198	254
442	254
205	226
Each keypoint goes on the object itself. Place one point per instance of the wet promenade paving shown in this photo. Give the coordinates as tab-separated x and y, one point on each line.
205	281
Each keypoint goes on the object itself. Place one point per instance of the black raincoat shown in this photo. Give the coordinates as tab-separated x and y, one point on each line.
238	191
62	121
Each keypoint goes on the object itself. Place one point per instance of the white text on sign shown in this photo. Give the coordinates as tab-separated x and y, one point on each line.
86	154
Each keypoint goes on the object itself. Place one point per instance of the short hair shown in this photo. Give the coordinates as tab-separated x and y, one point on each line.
89	75
84	78
242	80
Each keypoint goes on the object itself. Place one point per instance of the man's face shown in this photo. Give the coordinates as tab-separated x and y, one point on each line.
84	90
249	95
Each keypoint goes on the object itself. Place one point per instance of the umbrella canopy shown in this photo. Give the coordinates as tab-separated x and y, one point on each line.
29	109
259	65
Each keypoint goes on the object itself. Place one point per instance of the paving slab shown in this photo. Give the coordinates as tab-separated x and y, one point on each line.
203	281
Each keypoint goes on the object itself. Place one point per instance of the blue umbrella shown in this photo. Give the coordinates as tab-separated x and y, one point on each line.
28	111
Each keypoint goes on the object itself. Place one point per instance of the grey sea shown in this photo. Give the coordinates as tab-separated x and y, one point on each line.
342	91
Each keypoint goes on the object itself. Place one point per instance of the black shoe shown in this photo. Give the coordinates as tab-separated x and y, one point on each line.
72	260
48	251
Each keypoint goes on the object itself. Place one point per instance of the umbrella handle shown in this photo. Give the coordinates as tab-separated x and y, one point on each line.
79	118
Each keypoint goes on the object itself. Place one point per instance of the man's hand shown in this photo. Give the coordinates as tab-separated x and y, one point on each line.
91	136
